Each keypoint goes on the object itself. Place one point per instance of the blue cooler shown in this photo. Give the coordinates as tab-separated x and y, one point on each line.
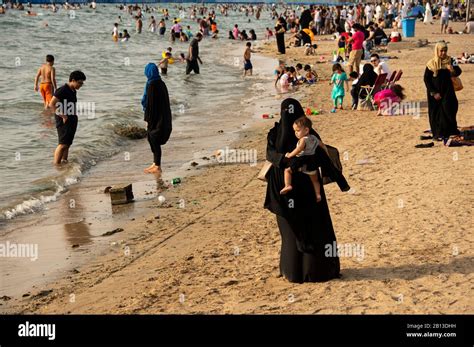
408	27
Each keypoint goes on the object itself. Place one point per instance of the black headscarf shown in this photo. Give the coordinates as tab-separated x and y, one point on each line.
368	76
305	19
286	140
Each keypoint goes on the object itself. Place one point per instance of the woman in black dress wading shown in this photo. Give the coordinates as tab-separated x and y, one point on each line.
305	225
442	101
156	105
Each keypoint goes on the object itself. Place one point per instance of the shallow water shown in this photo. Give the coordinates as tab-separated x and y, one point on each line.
114	86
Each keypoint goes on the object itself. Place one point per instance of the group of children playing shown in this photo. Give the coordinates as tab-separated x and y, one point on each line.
294	75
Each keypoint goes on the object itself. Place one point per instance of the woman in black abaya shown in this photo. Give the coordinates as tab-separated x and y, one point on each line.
156	104
442	101
305	225
280	30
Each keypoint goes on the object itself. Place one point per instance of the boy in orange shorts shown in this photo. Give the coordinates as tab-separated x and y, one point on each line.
48	80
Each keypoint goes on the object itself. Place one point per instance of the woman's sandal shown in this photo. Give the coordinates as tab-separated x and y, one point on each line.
425	145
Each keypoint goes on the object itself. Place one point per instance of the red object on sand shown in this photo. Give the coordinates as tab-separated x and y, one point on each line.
308	112
265	116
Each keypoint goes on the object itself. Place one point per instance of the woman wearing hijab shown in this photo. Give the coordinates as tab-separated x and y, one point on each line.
367	78
305	225
280	29
305	19
156	104
442	101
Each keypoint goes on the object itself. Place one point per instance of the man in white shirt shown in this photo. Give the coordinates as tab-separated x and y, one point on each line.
368	13
444	18
380	67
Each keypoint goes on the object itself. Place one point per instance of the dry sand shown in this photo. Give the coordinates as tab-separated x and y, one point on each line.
411	210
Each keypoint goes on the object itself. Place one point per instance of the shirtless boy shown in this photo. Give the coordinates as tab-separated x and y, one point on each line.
48	80
247	64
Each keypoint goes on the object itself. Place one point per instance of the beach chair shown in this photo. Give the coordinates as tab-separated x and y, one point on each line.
389	80
397	78
367	103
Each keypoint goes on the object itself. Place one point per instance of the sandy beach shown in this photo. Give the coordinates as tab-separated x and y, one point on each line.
212	248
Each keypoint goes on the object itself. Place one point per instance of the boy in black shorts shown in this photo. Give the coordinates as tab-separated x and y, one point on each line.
64	105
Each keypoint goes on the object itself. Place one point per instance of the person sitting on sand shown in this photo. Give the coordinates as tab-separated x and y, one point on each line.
306	146
469	28
311	75
284	80
310	49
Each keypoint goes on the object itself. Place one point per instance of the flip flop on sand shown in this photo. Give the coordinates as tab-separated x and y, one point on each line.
423	137
425	145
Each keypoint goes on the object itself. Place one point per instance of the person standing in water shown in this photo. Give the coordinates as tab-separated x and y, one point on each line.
48	80
152	26
156	105
63	104
247	63
115	33
193	55
138	24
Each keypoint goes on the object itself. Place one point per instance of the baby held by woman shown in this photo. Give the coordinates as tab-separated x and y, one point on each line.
306	146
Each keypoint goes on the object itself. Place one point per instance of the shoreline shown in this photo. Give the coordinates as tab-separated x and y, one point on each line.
220	253
85	224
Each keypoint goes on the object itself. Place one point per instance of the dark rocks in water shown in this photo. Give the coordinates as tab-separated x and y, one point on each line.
132	132
194	163
5	298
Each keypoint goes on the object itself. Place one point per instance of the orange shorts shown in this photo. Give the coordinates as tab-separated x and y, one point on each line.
46	91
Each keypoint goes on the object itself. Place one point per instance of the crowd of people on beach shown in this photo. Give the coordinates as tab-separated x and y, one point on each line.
295	150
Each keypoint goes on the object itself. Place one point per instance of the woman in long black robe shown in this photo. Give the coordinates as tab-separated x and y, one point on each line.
305	225
305	19
156	104
367	78
280	29
442	100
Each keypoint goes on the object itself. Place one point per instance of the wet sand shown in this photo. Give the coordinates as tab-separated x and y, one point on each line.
411	210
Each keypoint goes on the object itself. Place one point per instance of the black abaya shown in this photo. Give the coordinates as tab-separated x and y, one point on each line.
305	19
305	225
158	117
442	113
280	38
